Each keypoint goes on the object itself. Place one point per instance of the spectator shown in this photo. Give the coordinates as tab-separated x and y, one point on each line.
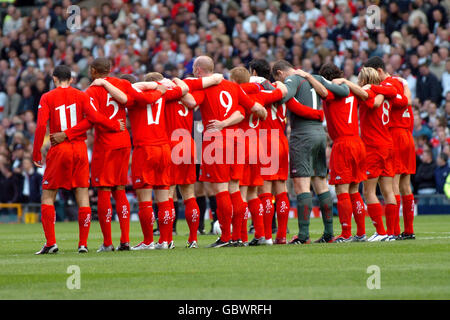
424	179
420	129
446	79
29	183
441	172
12	102
428	85
27	101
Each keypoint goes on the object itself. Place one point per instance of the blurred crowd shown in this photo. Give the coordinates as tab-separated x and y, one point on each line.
140	36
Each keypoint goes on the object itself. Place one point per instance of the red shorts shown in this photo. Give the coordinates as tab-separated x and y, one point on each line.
67	166
379	162
109	168
347	161
182	166
404	151
150	166
278	166
252	176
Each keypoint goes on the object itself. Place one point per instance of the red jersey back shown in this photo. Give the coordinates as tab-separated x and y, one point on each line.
112	109
148	125
400	117
375	123
341	115
221	101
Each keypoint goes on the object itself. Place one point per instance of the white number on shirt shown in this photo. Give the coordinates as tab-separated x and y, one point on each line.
150	119
63	118
111	102
184	110
385	116
350	100
314	98
229	102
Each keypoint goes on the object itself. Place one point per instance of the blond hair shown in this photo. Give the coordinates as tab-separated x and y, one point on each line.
368	75
240	75
153	76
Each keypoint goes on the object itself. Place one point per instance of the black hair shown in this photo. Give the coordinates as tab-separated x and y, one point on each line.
128	77
261	67
330	71
62	73
375	62
280	65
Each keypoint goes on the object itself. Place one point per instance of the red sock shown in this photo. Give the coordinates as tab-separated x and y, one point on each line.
224	214
146	219
123	212
244	233
192	214
104	212
397	215
84	223
257	212
171	221
164	218
283	206
376	212
269	210
344	207
48	217
390	218
359	213
238	215
408	213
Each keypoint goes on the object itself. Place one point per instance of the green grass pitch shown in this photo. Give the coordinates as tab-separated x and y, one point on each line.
418	269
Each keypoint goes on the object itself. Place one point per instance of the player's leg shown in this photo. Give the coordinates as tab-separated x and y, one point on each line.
374	208
387	191
48	218
408	207
359	212
84	217
104	213
173	199
212	202
201	202
257	212
238	212
165	216
191	212
283	206
326	205
224	213
146	218
123	212
396	188
302	187
344	207
266	198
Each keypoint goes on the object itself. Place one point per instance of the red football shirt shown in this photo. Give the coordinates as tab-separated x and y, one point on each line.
65	108
221	101
148	126
375	122
401	114
341	115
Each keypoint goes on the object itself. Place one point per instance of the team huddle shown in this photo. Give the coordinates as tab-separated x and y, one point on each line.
246	156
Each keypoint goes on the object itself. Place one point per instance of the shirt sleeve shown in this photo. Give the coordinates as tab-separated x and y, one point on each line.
199	96
251	88
339	90
330	96
194	84
244	100
41	128
173	94
90	110
370	101
303	111
292	83
144	97
271	96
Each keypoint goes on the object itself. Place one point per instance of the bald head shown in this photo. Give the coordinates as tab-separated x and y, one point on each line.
203	66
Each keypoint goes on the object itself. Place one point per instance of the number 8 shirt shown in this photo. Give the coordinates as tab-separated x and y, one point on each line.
376	137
